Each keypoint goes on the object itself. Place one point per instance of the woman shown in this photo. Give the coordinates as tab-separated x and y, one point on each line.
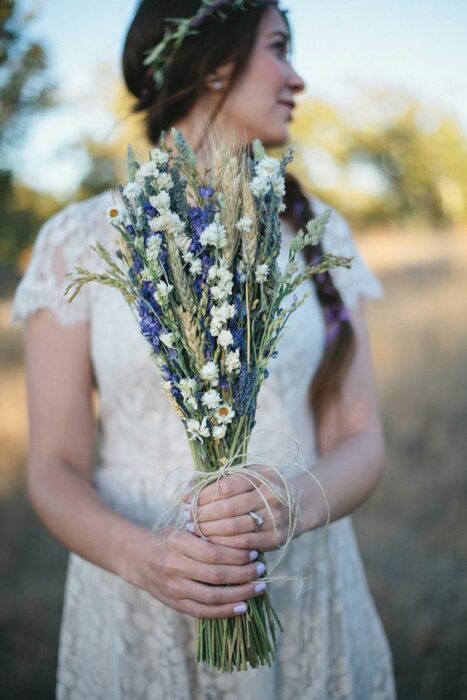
127	628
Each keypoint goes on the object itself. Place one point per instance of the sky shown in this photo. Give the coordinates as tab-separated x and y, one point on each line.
339	46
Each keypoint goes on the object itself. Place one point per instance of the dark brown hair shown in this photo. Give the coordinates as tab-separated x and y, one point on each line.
184	82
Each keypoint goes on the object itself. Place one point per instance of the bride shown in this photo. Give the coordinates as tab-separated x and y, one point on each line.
128	617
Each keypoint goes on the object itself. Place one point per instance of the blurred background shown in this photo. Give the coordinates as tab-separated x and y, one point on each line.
381	134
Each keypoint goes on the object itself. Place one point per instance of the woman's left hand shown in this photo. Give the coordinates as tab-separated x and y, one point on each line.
222	513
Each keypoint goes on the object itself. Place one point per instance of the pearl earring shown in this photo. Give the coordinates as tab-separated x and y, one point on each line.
218	85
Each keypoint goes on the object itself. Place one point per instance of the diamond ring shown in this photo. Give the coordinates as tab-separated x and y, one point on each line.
258	520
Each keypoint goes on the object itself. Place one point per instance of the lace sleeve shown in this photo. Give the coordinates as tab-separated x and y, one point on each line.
338	239
62	243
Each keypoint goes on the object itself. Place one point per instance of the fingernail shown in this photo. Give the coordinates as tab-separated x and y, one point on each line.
190	527
260	587
260	569
240	609
253	555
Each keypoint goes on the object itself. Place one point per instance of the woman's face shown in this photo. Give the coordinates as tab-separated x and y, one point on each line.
261	103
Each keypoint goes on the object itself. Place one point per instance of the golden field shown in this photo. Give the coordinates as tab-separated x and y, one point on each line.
412	531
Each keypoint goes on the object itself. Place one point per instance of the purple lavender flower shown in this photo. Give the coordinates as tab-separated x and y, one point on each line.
206	192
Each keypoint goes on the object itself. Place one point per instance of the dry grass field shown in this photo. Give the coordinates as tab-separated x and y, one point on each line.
412	531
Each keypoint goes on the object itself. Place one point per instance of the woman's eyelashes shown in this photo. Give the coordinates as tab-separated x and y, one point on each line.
282	48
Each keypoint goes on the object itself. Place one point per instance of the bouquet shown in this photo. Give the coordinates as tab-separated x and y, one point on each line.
197	261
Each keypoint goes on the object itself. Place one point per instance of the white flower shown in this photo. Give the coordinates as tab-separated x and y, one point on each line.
218	432
278	185
210	372
167	339
164	181
132	188
162	291
160	201
261	272
153	248
215	326
220	291
196	267
182	242
223	313
215	235
232	361
268	167
159	156
225	414
244	224
187	387
115	215
197	430
211	399
225	339
169	222
259	186
147	170
192	402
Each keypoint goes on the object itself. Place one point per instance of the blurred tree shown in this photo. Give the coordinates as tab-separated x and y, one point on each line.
385	158
25	90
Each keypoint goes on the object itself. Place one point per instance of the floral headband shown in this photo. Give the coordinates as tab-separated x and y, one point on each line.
161	55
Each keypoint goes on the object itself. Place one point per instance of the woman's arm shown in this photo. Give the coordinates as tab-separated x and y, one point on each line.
349	467
62	437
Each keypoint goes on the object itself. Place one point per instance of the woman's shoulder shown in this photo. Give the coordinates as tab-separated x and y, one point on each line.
83	215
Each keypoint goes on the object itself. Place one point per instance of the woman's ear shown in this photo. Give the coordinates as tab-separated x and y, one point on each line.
219	79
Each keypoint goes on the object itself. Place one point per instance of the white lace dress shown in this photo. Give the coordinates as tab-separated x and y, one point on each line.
116	641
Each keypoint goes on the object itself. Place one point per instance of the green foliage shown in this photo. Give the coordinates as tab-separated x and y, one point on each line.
417	154
25	90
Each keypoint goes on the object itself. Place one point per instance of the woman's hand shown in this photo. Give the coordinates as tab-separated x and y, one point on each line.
223	507
190	574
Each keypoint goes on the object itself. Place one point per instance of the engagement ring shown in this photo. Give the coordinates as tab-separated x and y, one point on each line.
258	519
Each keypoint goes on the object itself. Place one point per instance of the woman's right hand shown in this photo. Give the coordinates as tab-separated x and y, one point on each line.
190	574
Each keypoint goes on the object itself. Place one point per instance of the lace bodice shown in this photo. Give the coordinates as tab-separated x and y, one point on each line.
143	453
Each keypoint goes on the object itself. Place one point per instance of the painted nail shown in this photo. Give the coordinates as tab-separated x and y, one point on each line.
260	569
240	609
260	587
253	555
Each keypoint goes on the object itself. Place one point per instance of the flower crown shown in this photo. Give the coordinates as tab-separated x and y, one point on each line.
161	55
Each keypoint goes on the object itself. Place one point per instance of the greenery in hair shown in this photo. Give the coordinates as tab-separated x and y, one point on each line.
160	56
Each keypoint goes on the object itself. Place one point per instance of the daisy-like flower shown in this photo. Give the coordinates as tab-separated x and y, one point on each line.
197	430
218	432
160	201
210	373
115	215
159	157
215	235
225	339
232	361
162	291
244	224
225	414
261	272
211	399
167	339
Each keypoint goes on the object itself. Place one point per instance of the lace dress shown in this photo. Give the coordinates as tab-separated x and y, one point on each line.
116	641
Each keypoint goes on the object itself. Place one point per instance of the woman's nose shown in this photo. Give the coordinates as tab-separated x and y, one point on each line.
296	83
